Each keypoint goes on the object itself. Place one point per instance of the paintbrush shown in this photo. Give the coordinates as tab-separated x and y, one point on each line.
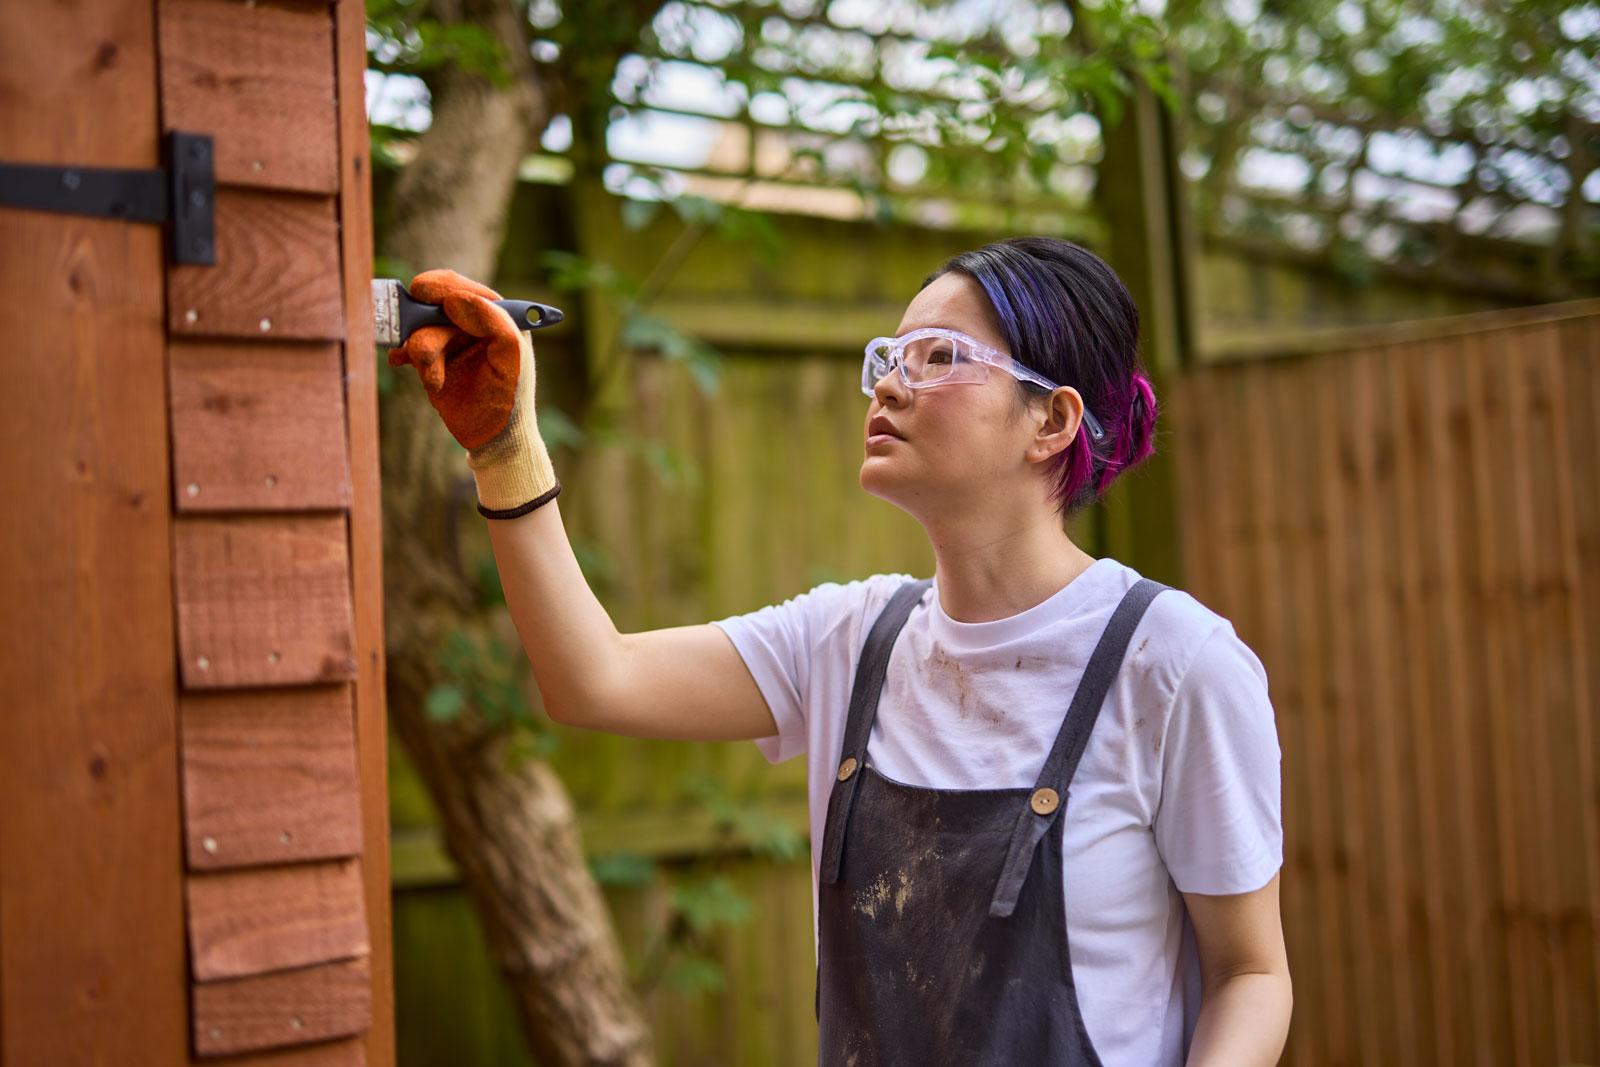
396	315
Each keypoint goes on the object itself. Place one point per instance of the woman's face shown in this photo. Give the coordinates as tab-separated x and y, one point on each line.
960	445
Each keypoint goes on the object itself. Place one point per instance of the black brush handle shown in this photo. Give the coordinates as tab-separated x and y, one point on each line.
396	314
527	314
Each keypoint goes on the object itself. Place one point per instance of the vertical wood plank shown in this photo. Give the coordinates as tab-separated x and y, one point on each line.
1447	497
1321	938
1559	695
1576	417
366	515
1265	445
1431	934
1498	655
1368	985
91	920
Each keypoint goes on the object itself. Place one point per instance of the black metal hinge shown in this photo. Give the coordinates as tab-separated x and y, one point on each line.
182	193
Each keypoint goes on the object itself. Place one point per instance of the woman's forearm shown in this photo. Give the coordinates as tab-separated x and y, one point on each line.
569	637
1244	1022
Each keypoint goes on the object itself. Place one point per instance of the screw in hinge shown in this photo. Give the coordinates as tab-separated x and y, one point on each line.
266	324
210	845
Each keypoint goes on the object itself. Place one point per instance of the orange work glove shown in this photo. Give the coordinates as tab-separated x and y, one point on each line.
479	375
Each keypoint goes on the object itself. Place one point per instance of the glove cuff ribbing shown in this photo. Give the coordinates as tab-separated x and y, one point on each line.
513	472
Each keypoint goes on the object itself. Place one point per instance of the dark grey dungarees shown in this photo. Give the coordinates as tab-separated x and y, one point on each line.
941	922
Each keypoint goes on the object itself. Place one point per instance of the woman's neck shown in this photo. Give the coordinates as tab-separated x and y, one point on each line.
987	572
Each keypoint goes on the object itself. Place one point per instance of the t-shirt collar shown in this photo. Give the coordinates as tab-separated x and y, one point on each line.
1064	603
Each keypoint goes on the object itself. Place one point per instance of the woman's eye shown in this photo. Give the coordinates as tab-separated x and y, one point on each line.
940	356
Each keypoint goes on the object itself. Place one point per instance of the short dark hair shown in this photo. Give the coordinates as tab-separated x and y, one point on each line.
1065	313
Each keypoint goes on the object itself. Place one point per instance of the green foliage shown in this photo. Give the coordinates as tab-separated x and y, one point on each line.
623	869
481	675
742	825
688	975
401	38
642	330
1488	103
701	898
707	902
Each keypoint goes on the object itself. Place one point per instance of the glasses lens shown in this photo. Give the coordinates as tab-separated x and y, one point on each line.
926	360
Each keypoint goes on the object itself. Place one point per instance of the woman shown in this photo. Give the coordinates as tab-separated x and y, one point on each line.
1044	790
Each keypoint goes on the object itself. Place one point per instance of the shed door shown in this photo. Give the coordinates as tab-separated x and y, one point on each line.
193	845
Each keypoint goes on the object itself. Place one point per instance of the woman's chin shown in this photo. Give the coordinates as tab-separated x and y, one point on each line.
879	478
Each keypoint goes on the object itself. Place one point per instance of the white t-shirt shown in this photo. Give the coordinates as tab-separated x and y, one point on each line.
1178	787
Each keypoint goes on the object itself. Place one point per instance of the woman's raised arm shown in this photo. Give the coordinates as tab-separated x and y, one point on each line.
686	682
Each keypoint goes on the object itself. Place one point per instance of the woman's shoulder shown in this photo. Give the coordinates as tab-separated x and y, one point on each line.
1178	629
831	607
854	603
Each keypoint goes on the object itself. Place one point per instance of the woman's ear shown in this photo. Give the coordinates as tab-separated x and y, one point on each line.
1060	419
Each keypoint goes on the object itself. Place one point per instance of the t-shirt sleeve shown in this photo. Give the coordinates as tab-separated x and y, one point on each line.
1219	823
776	643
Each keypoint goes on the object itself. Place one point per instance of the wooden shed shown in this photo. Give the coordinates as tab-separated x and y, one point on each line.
193	822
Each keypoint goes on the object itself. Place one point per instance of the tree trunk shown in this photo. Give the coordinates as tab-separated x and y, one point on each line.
511	830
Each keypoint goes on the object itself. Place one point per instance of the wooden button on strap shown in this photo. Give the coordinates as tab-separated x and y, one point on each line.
1044	801
847	768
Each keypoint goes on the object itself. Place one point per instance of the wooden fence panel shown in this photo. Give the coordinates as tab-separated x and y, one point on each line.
1408	533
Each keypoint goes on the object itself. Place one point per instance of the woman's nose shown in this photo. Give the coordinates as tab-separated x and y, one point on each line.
890	385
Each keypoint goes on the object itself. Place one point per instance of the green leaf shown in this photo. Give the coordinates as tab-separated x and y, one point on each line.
444	702
708	902
637	214
558	429
689	975
623	869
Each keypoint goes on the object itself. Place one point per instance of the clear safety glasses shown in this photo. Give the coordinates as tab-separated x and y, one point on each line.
934	355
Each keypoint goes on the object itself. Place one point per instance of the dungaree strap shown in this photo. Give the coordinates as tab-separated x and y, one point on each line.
870	673
1035	817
